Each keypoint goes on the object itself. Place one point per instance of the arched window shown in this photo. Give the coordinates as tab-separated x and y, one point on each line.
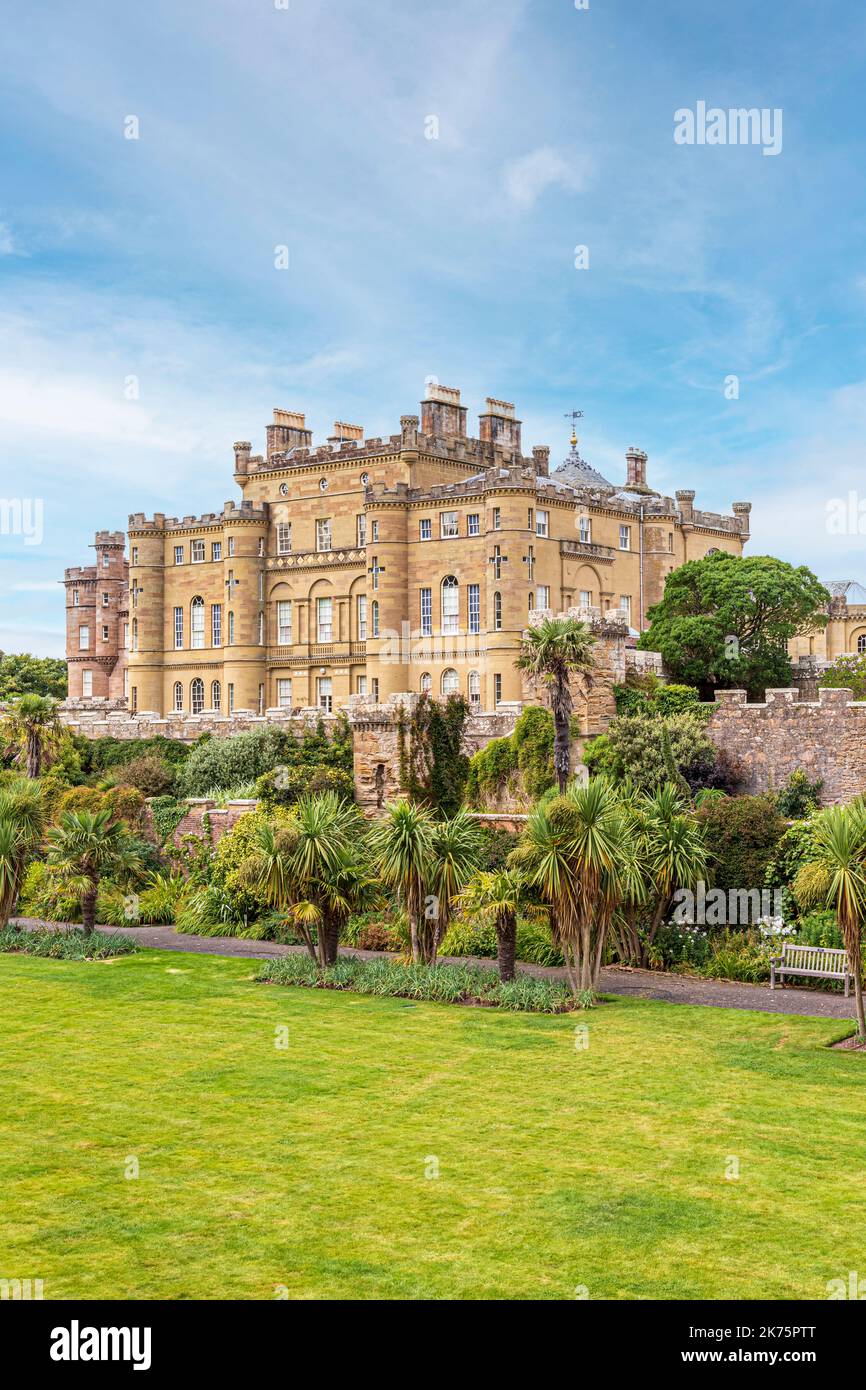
215	695
497	612
450	682
196	696
231	629
177	699
474	688
374	614
196	625
861	642
450	604
426	683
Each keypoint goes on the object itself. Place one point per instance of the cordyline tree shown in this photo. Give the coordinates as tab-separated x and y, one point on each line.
725	621
32	733
552	652
840	849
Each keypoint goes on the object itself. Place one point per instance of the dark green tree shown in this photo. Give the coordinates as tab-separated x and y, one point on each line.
725	621
23	674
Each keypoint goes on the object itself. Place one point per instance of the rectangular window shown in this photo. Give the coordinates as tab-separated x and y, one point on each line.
585	530
261	585
474	596
231	629
216	550
361	688
87	683
135	554
497	612
134	699
671	542
126	684
625	606
197	552
105	600
105	561
497	519
585	598
284	537
426	525
361	529
625	538
374	571
374	531
323	533
530	561
324	619
448	524
374	688
542	596
231	545
473	524
75	599
529	517
284	622
83	638
541	523
178	628
362	617
126	637
216	625
284	694
261	552
325	700
497	562
426	612
375	618
497	688
231	698
104	632
178	555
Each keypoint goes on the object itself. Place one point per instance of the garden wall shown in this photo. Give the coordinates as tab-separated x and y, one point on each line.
765	743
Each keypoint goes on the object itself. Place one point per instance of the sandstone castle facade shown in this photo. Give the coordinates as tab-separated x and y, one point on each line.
369	567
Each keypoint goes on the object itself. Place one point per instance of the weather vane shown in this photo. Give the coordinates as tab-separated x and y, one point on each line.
574	416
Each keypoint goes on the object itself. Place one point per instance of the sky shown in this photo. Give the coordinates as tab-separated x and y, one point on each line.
430	170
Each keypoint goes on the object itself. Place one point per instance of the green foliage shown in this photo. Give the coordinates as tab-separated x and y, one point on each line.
534	943
161	899
23	674
227	762
847	672
149	774
239	902
757	600
642	748
284	786
742	834
644	693
795	848
99	754
600	758
44	895
66	945
820	929
799	797
526	755
124	803
494	846
449	984
433	767
166	814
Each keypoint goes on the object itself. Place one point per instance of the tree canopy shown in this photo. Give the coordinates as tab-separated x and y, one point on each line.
23	674
725	621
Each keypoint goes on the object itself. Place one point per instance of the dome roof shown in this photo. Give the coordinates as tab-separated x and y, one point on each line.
576	472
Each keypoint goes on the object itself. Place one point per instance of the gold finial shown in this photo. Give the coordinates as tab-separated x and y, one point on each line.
574	416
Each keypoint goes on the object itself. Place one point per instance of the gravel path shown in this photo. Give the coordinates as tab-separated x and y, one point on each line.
638	984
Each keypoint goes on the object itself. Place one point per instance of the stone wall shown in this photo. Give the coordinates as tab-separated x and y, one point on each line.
219	819
764	743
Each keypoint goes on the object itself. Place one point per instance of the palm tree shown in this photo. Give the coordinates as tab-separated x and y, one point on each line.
551	652
498	896
88	846
840	842
402	845
676	856
455	851
33	732
22	818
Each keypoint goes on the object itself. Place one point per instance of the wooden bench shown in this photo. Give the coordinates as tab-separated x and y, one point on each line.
820	962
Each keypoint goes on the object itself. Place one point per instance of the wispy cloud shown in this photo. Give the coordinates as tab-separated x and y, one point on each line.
526	178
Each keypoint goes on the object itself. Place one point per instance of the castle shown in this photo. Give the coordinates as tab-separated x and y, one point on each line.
370	567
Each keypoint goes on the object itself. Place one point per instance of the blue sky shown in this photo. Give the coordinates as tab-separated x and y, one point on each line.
306	127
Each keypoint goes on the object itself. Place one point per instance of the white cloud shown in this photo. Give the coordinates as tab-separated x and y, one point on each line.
527	178
7	241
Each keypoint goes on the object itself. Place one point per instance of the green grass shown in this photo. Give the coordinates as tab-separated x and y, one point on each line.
304	1168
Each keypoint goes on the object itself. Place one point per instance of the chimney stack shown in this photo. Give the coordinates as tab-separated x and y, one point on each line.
685	500
442	413
541	459
242	456
288	431
636	467
344	434
499	425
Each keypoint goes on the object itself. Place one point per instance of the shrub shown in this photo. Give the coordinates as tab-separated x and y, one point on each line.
795	848
524	759
43	895
284	785
637	750
741	834
452	984
847	671
646	694
66	945
799	797
820	929
534	944
99	754
126	803
495	845
231	762
150	774
166	814
161	898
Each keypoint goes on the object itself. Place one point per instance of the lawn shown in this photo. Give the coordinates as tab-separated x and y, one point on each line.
307	1170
